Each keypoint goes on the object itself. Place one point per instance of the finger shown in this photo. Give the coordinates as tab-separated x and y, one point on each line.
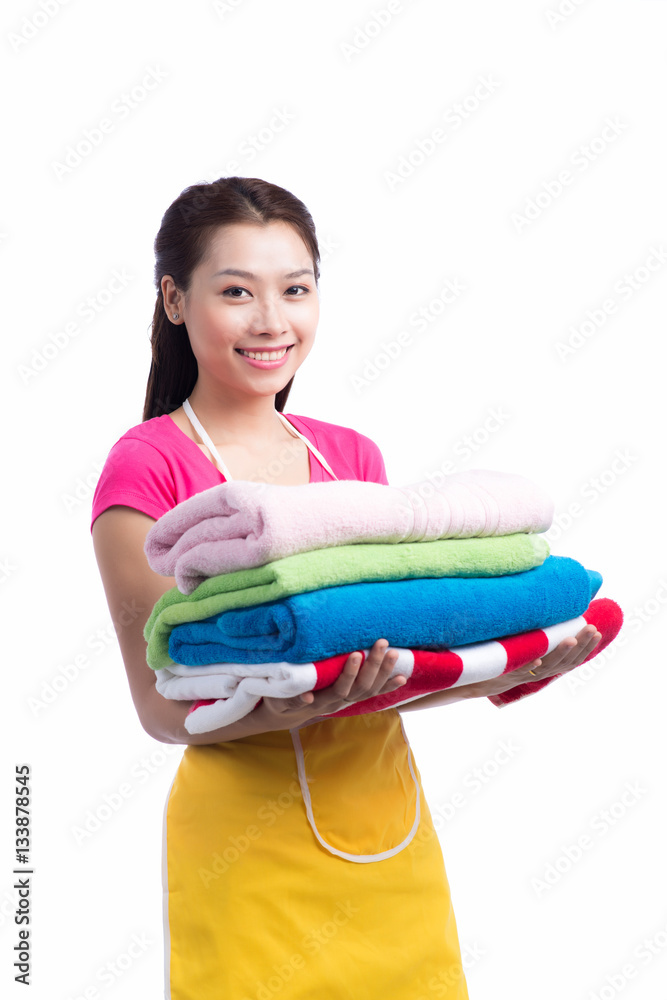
571	652
586	641
590	636
378	650
287	706
343	684
374	667
559	657
373	674
350	671
383	680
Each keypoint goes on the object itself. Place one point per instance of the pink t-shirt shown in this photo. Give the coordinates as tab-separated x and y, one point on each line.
155	465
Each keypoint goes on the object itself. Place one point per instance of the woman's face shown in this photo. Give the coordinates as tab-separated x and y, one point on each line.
273	306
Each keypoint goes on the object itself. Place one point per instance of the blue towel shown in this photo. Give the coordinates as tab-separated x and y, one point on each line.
422	613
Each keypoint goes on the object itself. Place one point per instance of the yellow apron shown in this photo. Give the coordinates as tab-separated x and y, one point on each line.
305	864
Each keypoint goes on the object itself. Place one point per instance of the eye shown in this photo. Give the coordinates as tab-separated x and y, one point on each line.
293	289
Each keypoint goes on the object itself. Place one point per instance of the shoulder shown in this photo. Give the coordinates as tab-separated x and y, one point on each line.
136	471
328	431
355	454
152	467
152	441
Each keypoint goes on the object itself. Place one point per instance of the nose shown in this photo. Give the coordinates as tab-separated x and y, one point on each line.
269	317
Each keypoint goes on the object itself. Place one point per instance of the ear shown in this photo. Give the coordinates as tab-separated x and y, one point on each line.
173	300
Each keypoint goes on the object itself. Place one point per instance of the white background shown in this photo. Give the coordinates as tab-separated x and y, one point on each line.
588	425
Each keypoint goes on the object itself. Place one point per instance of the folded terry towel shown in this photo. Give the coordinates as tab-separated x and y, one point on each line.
429	612
237	688
342	564
242	524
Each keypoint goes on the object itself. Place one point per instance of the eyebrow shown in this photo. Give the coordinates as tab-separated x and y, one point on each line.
248	274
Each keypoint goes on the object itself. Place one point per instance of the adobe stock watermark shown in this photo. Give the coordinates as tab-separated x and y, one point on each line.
250	147
634	621
88	310
365	33
419	320
122	107
645	951
581	159
579	678
473	782
599	826
116	968
224	7
326	246
98	642
8	906
624	289
441	984
7	569
562	12
32	24
288	454
312	942
82	490
452	118
111	802
467	446
591	491
238	845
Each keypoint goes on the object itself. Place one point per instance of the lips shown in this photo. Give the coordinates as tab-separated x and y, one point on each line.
263	354
268	363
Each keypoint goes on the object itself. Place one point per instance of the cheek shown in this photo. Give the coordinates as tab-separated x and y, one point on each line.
311	319
213	329
206	346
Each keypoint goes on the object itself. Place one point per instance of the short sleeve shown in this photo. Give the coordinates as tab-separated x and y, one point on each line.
136	474
372	462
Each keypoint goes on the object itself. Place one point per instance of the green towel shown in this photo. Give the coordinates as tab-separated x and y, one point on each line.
338	565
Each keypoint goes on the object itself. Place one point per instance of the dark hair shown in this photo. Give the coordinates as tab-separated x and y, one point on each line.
182	244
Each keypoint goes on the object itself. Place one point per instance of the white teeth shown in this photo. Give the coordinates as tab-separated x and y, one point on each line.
265	355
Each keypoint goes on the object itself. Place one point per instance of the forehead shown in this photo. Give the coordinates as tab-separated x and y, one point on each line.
243	242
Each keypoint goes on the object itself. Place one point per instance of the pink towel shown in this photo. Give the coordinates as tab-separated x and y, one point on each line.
228	691
243	524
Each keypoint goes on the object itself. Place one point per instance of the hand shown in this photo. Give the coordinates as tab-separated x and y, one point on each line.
355	683
567	655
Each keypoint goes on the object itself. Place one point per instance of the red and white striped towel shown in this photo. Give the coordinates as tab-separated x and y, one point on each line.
226	692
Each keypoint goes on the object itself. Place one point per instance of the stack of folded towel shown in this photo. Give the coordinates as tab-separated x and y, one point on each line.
276	585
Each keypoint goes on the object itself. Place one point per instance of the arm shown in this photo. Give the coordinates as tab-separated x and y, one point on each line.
566	656
132	588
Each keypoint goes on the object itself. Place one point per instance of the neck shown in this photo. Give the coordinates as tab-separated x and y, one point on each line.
233	419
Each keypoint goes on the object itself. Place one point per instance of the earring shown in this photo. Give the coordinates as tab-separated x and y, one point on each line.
175	315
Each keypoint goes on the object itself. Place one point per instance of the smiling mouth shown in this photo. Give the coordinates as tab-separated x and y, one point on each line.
265	355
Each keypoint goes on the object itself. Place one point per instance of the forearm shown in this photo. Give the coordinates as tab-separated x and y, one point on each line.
447	697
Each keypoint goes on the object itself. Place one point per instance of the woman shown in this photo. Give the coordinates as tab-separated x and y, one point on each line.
262	899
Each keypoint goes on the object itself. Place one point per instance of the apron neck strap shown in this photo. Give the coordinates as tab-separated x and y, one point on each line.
196	423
